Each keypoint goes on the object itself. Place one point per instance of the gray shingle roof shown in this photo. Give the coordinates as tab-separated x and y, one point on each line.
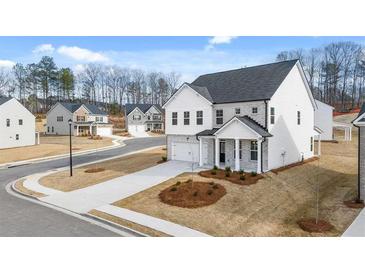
246	84
207	132
4	99
72	107
143	107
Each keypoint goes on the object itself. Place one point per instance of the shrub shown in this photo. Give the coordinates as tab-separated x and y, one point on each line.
195	193
215	186
213	172
164	158
228	169
177	183
253	173
228	174
215	168
210	192
241	171
242	177
173	189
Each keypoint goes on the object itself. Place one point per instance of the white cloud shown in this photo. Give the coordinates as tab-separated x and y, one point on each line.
6	64
216	40
78	68
44	49
81	54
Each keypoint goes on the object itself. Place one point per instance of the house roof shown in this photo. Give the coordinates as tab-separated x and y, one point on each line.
245	84
143	107
4	99
244	119
72	107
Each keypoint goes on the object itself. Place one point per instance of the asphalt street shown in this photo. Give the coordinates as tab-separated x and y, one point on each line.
19	217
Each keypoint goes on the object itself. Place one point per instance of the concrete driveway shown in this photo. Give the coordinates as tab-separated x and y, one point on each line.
83	200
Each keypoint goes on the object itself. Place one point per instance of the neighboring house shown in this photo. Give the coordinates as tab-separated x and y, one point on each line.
359	122
256	118
323	119
86	119
17	126
144	117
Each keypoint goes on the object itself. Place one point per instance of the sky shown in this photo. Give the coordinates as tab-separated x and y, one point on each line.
189	56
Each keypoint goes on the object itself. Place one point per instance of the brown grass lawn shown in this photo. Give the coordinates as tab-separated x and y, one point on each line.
50	146
20	187
273	205
113	168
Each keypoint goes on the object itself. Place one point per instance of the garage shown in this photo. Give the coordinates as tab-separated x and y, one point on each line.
136	128
185	152
104	131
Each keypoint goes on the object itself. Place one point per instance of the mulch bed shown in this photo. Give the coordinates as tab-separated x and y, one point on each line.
277	170
192	194
354	204
95	137
234	177
310	225
94	170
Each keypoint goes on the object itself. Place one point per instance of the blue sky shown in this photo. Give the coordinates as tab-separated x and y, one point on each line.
189	56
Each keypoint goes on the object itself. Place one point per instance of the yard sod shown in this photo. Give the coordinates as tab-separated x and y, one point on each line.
21	188
272	206
51	146
96	173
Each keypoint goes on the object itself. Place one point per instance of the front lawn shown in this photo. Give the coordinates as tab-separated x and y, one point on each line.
272	206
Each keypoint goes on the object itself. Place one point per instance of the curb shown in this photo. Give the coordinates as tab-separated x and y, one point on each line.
113	227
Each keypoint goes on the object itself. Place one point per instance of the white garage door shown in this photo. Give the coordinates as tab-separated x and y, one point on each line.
136	128
185	152
104	131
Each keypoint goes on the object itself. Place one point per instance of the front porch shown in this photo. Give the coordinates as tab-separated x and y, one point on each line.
85	129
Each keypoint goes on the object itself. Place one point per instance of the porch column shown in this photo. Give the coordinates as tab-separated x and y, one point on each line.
200	151
77	131
259	155
350	133
217	152
237	154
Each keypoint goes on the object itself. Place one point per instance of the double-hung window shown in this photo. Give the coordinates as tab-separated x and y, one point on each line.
199	117
186	117
16	136
137	117
254	110
8	122
311	145
20	122
219	116
237	111
253	151
272	115
298	117
59	118
174	118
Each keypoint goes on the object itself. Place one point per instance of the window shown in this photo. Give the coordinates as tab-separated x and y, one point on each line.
186	117
298	117
237	111
239	152
80	118
157	126
16	136
311	144
254	110
8	122
254	150
137	117
272	116
47	129
156	117
20	122
59	118
52	129
101	119
148	117
174	118
219	116
199	117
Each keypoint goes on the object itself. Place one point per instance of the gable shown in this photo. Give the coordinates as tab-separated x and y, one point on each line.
236	128
136	111
13	107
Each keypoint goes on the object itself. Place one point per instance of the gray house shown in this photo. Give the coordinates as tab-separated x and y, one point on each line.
144	117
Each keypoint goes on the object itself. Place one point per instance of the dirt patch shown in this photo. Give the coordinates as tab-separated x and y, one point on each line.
94	170
20	187
310	225
354	204
113	169
129	224
234	177
277	170
191	194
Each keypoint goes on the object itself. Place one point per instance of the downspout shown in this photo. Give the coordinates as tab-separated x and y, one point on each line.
358	165
264	140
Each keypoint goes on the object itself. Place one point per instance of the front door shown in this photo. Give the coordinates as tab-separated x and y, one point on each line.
222	151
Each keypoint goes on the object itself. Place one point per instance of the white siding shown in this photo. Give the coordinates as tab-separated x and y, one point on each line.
288	136
14	111
324	120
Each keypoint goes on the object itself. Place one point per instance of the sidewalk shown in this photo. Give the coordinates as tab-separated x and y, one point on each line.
357	228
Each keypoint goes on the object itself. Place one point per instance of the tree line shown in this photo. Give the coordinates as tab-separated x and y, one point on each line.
335	72
40	85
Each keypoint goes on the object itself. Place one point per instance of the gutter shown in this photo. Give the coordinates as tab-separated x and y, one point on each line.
358	164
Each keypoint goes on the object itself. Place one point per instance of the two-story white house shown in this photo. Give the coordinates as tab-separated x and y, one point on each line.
17	126
144	117
255	118
86	119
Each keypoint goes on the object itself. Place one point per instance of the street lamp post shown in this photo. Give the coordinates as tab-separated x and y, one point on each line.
70	124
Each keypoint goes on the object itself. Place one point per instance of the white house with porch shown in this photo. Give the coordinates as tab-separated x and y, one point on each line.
252	119
86	119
